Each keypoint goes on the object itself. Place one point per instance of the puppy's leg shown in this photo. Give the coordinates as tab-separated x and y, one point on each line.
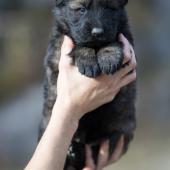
50	95
110	58
75	157
86	61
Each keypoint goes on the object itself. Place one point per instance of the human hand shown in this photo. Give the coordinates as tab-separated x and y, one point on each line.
103	157
82	94
129	54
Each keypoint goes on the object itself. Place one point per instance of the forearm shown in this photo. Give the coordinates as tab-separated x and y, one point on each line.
52	149
85	94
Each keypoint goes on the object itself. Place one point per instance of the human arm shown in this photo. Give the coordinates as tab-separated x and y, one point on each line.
77	95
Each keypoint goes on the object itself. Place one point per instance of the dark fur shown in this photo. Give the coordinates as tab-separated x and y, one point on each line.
93	55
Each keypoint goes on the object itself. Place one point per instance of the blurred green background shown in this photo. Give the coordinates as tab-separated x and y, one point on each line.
24	31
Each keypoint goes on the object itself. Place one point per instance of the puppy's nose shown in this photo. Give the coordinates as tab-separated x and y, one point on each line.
97	32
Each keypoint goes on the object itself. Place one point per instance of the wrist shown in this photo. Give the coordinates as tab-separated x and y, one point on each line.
70	108
65	113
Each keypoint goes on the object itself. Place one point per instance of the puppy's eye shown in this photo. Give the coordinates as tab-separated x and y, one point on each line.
81	10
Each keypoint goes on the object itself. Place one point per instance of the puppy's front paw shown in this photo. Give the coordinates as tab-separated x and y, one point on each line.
86	62
110	59
90	69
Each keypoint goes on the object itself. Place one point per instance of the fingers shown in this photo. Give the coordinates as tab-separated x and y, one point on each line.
125	70
118	151
89	160
66	48
130	59
103	155
128	79
127	49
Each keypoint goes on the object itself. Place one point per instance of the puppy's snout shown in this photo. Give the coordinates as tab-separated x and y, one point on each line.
96	32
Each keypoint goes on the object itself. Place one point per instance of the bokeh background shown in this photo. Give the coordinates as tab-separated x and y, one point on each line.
24	32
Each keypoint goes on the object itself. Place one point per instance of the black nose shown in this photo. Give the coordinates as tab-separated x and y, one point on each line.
97	32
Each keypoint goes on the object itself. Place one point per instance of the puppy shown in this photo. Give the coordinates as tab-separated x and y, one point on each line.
94	26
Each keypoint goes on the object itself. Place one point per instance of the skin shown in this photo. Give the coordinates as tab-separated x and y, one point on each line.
71	105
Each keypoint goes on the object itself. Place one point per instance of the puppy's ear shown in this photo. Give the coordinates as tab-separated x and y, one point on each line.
60	2
121	3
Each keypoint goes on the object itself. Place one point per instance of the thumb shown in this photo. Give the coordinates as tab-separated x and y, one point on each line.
66	48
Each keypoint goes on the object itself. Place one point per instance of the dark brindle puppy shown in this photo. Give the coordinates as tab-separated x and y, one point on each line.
94	26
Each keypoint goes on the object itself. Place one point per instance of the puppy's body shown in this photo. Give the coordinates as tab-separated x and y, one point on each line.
94	27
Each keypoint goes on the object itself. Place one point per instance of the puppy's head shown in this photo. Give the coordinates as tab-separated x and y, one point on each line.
90	23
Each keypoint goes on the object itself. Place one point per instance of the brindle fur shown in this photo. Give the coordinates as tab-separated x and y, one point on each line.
92	56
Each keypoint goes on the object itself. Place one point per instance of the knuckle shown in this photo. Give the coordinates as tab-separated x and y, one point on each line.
133	76
133	64
110	98
128	55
